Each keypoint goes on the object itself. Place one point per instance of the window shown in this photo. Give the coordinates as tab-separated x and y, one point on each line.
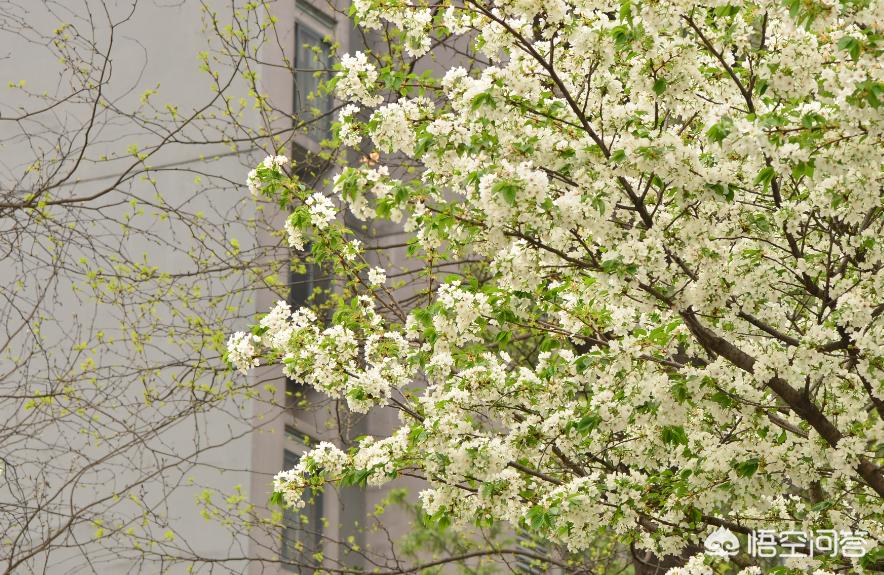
312	67
308	283
302	528
308	287
308	9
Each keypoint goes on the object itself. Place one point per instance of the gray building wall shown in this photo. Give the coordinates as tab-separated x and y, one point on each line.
155	49
237	443
344	509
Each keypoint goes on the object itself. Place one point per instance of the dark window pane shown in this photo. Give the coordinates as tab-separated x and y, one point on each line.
302	528
309	285
311	55
302	281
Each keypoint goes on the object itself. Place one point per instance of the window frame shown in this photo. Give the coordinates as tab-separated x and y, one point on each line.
292	560
314	278
317	130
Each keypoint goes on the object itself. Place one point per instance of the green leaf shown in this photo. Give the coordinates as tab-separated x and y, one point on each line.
723	190
726	10
761	86
874	92
674	435
583	362
722	399
507	189
851	45
417	434
659	86
355	477
588	423
424	141
747	468
540	518
765	176
483	99
622	35
803	169
873	557
680	391
719	131
548	344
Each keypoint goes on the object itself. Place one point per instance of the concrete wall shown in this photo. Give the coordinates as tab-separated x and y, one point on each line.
52	456
56	460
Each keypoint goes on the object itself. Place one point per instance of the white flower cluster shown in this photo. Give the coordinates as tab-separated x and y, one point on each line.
242	351
465	308
351	250
356	80
413	21
362	189
294	235
253	183
325	458
377	276
322	211
348	131
327	358
671	314
394	129
271	163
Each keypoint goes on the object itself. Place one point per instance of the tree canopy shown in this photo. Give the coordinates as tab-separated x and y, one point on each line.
646	296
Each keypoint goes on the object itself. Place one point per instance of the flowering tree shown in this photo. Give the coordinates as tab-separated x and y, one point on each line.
664	220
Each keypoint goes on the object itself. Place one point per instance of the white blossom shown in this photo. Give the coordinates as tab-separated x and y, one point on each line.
242	351
356	80
662	224
322	210
293	235
377	276
348	131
